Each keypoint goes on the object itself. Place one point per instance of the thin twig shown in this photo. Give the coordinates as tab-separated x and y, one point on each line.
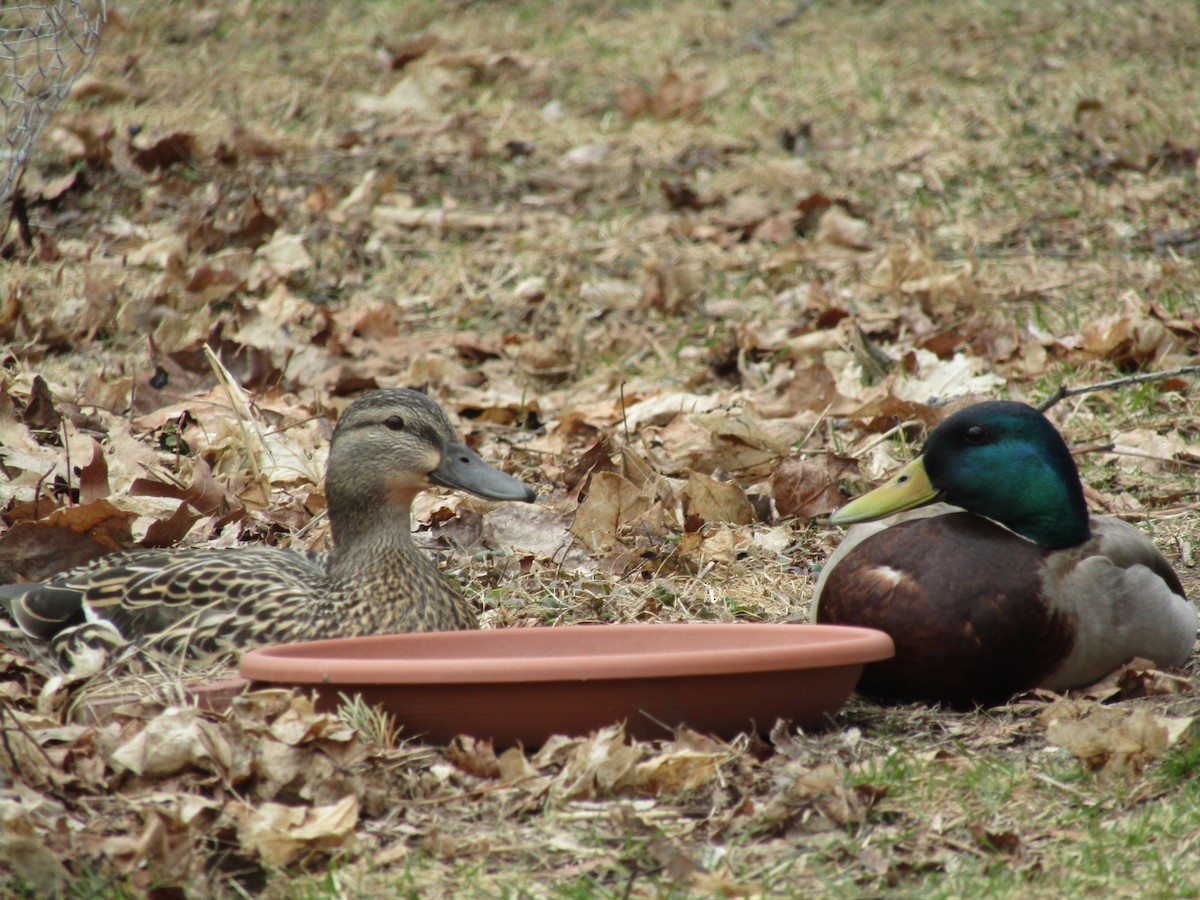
624	418
878	439
37	493
799	445
1054	782
1064	392
67	451
14	192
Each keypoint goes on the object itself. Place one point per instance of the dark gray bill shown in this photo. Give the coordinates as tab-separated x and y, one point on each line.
464	469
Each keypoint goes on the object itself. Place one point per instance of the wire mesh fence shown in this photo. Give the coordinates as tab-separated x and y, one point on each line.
44	46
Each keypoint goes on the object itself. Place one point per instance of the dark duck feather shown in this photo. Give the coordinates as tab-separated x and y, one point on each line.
387	447
1009	583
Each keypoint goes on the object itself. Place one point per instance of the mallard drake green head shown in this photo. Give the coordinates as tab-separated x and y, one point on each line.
998	459
1008	582
387	447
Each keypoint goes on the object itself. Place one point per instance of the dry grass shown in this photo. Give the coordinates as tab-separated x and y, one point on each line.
1048	149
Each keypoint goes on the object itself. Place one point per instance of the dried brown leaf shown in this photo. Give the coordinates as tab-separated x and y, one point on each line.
536	531
33	551
100	90
247	226
678	866
170	531
204	493
513	765
912	272
1128	339
283	255
171	742
822	790
86	135
410	51
598	765
809	487
477	757
41	413
1114	740
679	771
1005	843
612	503
716	501
734	442
93	477
675	96
597	458
841	231
283	835
243	142
632	100
300	723
22	758
1144	450
150	153
1137	678
671	286
218	278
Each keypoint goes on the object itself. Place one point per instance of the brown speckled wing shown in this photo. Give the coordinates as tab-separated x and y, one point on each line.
203	602
962	599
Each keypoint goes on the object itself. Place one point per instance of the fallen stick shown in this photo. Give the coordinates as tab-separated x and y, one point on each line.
1063	392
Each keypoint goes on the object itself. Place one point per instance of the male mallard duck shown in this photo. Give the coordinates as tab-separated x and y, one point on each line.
1009	584
387	447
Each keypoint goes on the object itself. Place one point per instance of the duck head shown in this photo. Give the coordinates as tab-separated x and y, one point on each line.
390	445
998	459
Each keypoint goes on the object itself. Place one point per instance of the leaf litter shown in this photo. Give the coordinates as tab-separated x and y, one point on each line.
696	345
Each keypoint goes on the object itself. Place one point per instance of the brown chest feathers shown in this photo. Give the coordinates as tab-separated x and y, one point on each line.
964	603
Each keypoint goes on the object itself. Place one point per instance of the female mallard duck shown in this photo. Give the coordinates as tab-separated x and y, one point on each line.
1018	587
387	447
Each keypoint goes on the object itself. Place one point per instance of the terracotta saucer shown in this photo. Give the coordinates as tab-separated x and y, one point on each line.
521	685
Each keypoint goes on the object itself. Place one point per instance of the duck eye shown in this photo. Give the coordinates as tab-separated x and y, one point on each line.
394	423
976	434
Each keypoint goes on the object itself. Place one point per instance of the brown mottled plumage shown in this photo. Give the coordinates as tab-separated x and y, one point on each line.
388	446
1013	586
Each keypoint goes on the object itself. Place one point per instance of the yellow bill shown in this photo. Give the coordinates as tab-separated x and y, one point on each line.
908	488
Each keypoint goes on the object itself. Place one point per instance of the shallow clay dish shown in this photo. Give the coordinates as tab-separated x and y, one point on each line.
521	685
